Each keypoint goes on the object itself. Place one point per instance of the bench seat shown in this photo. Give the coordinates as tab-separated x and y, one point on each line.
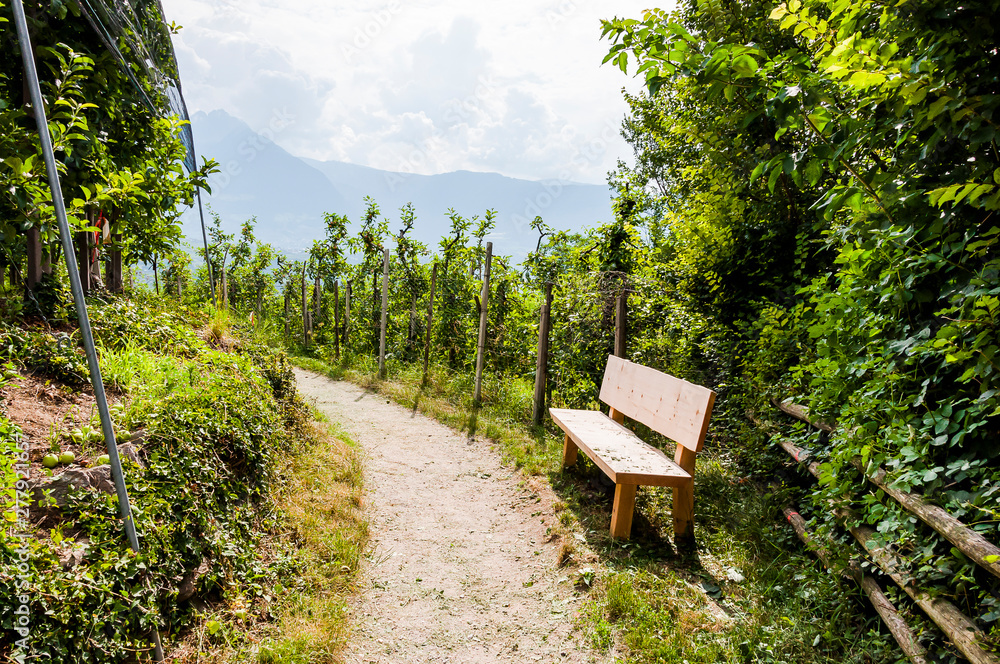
672	407
621	454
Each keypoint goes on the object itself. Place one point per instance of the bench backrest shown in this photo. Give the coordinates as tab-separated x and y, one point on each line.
673	407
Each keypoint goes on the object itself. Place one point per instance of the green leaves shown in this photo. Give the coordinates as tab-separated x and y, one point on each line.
870	129
970	192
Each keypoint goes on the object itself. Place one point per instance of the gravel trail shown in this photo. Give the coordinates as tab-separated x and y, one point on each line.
461	569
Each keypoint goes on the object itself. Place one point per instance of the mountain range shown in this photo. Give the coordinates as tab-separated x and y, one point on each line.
288	195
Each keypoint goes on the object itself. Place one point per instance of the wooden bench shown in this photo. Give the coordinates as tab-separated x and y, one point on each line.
673	407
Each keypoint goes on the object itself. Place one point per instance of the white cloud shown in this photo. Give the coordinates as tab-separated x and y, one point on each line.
426	86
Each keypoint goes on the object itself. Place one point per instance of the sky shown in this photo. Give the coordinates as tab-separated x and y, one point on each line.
420	86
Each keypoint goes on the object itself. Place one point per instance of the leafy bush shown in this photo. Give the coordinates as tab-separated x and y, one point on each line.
209	445
52	354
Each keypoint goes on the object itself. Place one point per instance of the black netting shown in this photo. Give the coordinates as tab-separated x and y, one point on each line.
135	32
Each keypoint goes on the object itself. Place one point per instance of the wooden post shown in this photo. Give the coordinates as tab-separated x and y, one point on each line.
347	314
385	313
83	257
542	362
288	306
305	308
430	321
484	299
621	323
34	253
336	319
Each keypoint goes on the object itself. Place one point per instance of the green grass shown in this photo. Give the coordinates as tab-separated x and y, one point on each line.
323	508
141	372
748	593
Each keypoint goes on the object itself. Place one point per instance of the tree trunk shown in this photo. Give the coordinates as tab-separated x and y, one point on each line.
156	273
83	254
34	254
116	284
317	299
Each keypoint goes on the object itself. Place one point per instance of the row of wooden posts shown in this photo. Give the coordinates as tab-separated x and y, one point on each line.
544	328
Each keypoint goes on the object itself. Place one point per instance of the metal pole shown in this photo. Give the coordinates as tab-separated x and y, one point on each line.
204	236
385	314
59	204
483	320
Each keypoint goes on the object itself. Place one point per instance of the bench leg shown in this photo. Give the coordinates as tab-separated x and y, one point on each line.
621	512
684	512
569	452
684	499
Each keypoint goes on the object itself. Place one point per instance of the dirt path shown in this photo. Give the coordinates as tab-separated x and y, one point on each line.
462	570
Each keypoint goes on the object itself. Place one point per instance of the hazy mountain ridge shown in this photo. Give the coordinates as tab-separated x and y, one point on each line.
289	195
